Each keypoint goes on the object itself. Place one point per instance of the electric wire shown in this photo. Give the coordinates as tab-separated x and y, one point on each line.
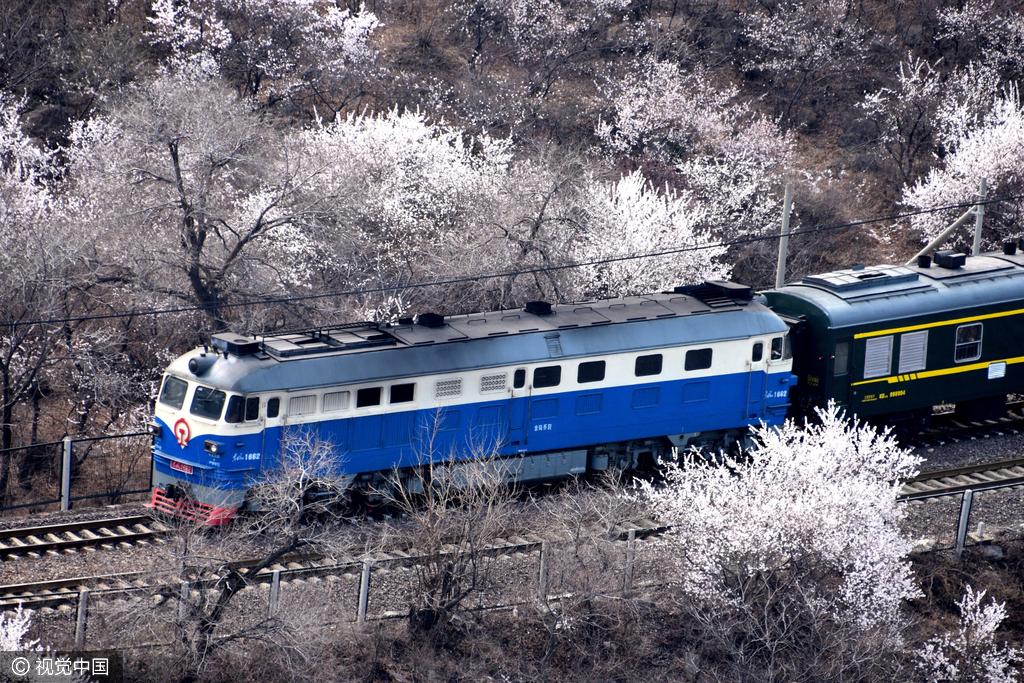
479	277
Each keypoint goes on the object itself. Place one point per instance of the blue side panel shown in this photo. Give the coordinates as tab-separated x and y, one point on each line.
546	423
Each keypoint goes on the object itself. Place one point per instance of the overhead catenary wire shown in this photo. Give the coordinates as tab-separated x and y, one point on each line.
479	277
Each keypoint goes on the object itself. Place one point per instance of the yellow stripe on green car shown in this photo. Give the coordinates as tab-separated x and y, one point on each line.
926	374
940	323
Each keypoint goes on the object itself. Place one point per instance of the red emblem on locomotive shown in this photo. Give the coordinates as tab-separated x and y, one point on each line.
182	432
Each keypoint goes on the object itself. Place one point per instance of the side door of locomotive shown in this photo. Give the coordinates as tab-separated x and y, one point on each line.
757	366
518	410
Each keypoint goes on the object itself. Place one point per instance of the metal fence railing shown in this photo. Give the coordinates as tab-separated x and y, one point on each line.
103	469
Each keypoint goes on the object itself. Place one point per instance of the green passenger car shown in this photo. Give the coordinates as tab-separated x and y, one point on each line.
890	342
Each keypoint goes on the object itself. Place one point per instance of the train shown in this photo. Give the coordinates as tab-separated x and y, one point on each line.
555	390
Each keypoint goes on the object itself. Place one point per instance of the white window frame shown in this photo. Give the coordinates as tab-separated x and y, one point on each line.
957	344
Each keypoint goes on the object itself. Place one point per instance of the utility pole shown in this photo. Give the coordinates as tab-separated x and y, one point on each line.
977	212
979	217
787	208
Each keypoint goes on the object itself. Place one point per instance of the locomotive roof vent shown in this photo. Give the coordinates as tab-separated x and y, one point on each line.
950	259
1010	248
234	344
718	292
861	278
430	320
924	261
538	307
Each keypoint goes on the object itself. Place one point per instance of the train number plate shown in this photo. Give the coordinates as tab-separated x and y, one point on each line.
181	467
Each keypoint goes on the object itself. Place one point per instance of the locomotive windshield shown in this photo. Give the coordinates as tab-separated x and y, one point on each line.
173	393
208	403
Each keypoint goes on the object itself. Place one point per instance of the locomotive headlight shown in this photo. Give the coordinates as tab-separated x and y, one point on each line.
213	448
154	429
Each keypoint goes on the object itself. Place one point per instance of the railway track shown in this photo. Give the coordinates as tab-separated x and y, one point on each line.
64	593
986	476
54	539
947	427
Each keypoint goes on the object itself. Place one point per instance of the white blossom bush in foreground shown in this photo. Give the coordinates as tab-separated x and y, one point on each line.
794	550
14	629
971	652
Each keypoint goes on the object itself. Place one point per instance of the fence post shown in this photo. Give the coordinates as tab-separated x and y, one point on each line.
364	592
979	216
65	476
787	209
542	576
186	590
83	610
275	593
627	583
965	514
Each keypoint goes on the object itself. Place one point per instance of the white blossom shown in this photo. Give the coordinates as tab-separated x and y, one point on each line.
730	159
280	42
630	217
972	653
814	507
407	193
905	114
804	38
992	149
14	628
661	110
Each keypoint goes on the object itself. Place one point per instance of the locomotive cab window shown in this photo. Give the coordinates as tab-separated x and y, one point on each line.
648	365
757	353
236	408
841	364
402	393
252	408
781	349
519	379
698	359
547	376
208	403
591	371
367	397
273	407
240	408
173	393
968	343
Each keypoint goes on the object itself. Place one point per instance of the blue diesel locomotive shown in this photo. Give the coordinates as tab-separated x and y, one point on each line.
554	390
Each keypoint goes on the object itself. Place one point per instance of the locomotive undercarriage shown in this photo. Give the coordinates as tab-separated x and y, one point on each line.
638	456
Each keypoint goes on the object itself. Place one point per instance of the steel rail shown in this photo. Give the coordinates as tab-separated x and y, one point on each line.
54	593
980	477
69	536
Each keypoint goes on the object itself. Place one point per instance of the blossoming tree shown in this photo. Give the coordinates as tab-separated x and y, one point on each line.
794	549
